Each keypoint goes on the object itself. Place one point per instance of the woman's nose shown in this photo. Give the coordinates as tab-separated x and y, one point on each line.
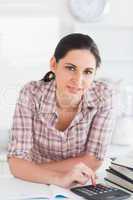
78	79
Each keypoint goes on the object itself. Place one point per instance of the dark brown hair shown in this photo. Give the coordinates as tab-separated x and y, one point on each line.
71	42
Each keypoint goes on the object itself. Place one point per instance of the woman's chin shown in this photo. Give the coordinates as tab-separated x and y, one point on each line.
74	95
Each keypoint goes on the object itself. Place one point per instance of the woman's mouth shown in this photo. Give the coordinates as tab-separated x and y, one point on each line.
74	89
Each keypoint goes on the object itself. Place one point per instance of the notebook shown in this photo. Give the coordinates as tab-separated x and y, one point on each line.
124	161
123	170
119	179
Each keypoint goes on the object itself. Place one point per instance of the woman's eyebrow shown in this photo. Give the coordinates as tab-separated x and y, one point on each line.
88	68
71	64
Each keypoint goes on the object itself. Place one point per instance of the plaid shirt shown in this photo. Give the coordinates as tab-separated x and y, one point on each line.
35	138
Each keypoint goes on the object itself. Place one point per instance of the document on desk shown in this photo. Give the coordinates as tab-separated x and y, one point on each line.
59	192
16	189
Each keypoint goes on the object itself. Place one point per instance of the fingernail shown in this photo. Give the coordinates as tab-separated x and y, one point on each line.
94	184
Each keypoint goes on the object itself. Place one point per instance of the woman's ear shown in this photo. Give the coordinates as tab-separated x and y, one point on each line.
53	64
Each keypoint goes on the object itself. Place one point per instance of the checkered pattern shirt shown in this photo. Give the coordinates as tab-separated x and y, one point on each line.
35	138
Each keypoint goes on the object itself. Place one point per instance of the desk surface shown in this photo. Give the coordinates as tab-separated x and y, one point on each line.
23	188
5	175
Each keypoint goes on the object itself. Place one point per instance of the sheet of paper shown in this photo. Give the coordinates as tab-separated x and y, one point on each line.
15	189
59	191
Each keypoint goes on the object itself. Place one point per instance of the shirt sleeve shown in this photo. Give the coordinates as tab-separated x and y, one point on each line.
102	126
21	140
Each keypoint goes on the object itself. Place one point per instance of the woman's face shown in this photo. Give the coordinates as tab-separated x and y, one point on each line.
74	73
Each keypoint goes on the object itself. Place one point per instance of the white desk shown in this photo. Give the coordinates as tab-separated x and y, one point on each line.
35	189
11	186
5	175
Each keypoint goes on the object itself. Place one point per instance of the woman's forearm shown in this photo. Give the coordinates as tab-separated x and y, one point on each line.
40	173
30	171
66	165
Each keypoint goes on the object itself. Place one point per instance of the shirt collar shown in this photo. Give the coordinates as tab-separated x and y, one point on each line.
90	98
48	103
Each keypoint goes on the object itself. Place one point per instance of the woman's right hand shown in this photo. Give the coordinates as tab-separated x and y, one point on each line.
80	174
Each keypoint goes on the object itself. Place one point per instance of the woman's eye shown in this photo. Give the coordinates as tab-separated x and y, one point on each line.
70	68
88	72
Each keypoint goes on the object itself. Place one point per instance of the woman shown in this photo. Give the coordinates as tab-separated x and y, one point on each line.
62	124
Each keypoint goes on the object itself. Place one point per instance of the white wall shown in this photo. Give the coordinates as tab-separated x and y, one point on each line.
29	31
114	36
26	47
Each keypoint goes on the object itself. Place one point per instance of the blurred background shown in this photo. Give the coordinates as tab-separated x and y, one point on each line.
29	32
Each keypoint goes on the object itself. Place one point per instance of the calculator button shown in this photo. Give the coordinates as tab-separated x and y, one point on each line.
100	192
84	191
90	191
110	190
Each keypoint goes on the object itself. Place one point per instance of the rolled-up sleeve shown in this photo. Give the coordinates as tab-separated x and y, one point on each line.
102	125
21	140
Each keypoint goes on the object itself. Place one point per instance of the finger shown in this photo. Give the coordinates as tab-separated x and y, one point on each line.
93	181
86	171
81	167
90	174
81	179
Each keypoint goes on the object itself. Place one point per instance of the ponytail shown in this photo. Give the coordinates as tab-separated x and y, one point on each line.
48	77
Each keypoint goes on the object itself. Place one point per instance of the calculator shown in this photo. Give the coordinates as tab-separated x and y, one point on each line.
100	192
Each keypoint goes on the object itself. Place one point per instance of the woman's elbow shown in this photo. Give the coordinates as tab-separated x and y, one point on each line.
14	166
